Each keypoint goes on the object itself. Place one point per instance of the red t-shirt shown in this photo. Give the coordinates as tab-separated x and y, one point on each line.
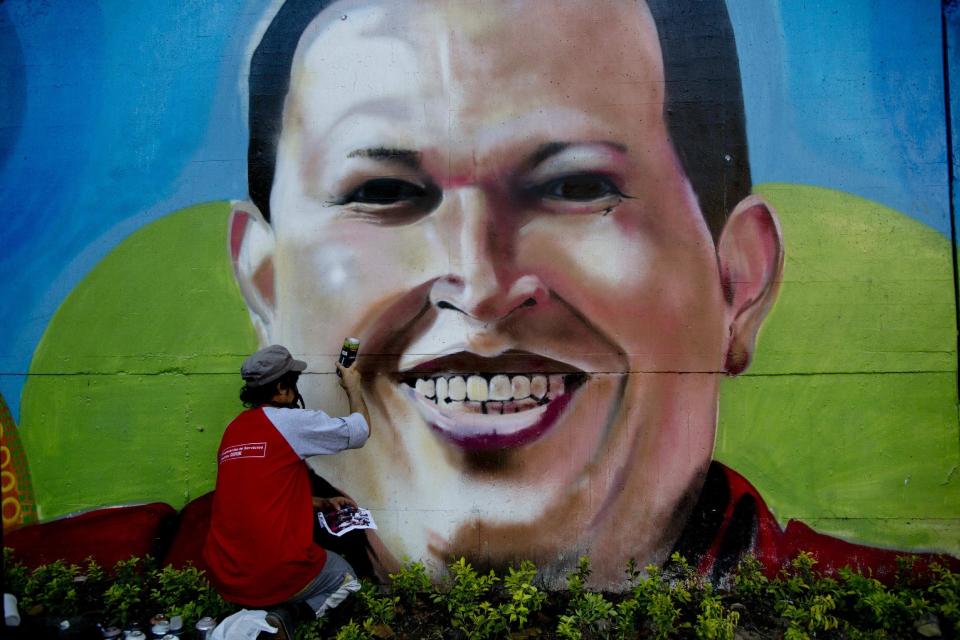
260	547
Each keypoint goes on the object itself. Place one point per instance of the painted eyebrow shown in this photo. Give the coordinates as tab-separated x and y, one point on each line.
549	149
407	157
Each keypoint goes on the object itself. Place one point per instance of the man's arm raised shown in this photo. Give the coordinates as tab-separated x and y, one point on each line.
350	381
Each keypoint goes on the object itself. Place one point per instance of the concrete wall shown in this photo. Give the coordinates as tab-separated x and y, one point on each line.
493	191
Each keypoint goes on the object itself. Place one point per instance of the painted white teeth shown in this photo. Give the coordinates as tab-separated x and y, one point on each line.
557	385
502	393
500	388
520	385
538	386
457	388
477	389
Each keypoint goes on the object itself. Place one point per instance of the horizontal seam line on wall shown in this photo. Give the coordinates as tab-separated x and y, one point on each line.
638	371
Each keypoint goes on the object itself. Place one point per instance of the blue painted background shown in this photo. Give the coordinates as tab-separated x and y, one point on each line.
114	113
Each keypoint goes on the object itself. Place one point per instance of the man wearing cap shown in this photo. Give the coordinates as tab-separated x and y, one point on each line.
260	549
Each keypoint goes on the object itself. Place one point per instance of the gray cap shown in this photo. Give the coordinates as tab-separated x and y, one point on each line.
268	365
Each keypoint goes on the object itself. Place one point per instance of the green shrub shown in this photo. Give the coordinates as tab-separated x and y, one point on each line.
588	613
123	600
352	631
131	592
714	622
186	593
673	601
525	598
944	594
51	589
465	599
57	588
15	574
310	630
380	609
663	592
411	583
810	614
749	580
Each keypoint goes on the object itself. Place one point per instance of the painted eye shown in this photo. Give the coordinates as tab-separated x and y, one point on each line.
390	201
386	191
580	188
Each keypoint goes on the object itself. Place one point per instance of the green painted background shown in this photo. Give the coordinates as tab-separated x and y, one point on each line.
846	420
136	376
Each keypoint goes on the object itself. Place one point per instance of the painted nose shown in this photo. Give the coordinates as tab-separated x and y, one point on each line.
484	282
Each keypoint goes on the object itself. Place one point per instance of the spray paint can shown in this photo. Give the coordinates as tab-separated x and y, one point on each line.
205	627
176	626
348	353
160	628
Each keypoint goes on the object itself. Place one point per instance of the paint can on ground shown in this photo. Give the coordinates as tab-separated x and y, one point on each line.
160	628
205	627
11	615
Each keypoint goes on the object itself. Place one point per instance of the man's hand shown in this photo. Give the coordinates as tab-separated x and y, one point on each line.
333	504
349	377
351	383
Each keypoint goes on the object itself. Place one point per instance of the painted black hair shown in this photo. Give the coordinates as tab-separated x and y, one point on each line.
704	103
269	82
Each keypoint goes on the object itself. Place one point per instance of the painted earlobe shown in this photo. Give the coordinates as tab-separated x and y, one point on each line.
252	245
750	255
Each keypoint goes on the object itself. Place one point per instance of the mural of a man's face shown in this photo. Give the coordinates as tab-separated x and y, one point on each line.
487	196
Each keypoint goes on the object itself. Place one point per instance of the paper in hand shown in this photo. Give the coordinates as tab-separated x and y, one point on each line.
346	519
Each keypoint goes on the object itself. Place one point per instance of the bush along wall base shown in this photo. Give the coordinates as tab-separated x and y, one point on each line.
59	600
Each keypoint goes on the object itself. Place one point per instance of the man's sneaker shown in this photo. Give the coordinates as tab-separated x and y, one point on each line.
282	619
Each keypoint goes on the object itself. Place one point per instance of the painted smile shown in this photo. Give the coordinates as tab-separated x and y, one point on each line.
489	403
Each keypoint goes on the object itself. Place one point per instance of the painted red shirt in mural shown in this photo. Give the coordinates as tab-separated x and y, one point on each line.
260	547
731	520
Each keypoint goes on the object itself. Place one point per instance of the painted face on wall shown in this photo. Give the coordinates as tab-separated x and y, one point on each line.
486	195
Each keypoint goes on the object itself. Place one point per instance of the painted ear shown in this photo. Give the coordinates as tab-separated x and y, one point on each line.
750	255
252	247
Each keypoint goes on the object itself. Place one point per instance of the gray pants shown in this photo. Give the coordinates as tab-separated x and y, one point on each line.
332	585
